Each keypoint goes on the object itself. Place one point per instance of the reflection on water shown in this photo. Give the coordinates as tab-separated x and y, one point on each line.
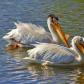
13	69
54	74
19	69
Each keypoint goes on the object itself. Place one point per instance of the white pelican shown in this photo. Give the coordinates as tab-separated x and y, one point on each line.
26	33
53	54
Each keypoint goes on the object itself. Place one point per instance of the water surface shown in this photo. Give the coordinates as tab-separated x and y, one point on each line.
15	70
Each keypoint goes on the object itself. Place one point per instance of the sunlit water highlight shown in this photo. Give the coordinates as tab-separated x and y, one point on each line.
15	70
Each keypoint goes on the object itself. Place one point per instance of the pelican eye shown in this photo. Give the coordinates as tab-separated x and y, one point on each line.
81	41
56	18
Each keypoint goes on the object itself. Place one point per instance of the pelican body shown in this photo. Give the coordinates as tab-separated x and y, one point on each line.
53	54
26	33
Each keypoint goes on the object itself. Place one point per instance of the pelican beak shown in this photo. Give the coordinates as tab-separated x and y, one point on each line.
80	46
57	28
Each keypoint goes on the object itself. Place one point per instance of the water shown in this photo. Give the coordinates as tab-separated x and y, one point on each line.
13	69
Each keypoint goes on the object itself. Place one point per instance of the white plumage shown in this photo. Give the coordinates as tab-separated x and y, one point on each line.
52	54
26	34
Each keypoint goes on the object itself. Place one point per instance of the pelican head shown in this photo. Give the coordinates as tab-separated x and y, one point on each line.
53	21
52	17
78	41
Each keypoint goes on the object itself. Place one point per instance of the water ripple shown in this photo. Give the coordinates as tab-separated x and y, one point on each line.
13	69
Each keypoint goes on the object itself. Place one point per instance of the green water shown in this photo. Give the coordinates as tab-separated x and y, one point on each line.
13	69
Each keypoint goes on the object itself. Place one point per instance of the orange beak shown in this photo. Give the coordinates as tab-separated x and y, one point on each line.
57	28
80	46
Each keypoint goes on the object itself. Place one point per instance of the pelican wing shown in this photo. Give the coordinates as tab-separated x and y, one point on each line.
52	53
28	33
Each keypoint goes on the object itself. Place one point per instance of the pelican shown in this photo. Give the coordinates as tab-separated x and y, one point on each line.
26	33
53	54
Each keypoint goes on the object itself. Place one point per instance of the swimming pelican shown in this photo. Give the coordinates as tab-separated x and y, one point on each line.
26	33
53	54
